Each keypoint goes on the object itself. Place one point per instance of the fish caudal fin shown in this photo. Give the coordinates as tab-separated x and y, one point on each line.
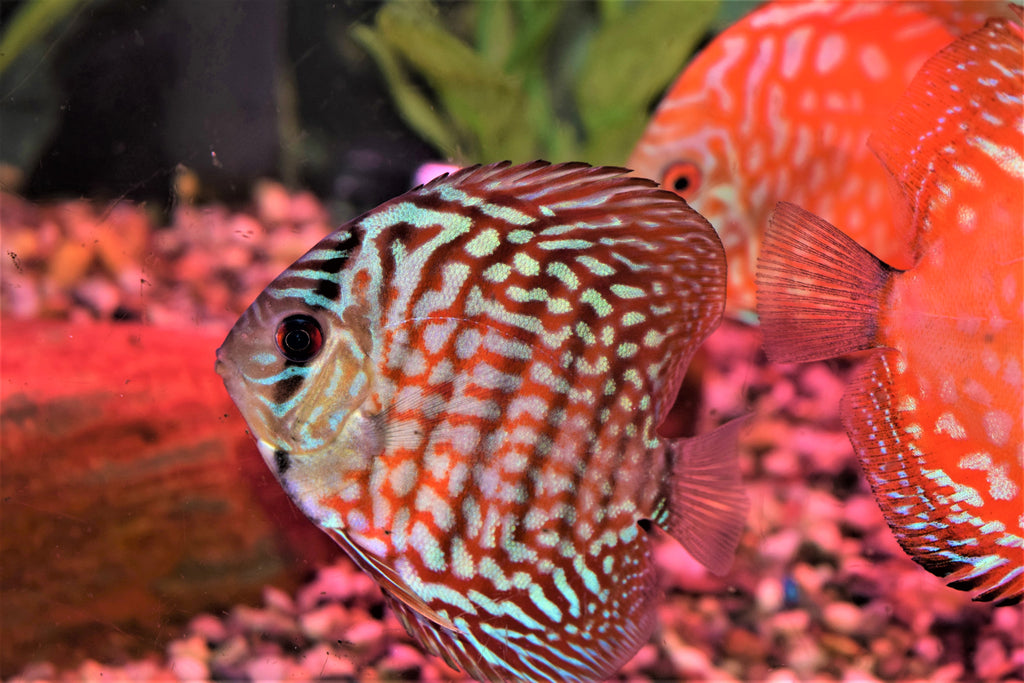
818	291
708	505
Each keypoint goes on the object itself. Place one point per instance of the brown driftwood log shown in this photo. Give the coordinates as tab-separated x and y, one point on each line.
132	496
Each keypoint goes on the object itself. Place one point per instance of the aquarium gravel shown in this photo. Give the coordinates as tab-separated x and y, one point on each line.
819	589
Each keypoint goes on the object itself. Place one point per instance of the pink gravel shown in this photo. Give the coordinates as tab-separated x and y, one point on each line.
819	589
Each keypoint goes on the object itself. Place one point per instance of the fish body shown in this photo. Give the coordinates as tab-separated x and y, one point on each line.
462	387
935	412
779	107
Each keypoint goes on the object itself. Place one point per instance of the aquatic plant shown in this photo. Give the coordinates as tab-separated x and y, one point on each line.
535	79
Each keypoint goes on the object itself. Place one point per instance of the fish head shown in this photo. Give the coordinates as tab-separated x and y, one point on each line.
706	168
301	376
682	156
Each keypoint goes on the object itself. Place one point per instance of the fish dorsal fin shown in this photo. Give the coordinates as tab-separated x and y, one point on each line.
708	503
818	291
388	579
976	81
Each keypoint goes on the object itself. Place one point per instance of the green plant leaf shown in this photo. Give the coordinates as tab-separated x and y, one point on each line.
495	30
485	104
629	62
412	105
30	24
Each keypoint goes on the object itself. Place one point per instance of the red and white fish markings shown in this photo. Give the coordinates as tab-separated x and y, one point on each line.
779	107
478	421
935	411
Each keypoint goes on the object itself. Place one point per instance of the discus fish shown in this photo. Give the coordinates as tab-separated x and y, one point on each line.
935	411
779	108
462	388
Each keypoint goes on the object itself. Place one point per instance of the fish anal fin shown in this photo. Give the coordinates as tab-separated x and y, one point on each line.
707	502
388	579
908	485
818	291
438	642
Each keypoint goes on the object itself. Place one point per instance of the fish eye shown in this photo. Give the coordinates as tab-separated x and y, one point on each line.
683	178
299	338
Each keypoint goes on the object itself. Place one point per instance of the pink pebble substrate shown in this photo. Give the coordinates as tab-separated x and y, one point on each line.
819	589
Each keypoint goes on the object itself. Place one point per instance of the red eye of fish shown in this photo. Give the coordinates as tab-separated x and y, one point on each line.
299	338
683	178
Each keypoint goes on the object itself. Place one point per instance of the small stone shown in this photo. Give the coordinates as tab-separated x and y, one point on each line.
266	622
781	462
769	595
305	208
948	673
679	568
990	661
69	264
690	661
644	658
781	546
325	623
267	668
277	599
99	294
401	662
273	203
841	645
338	582
187	668
805	658
855	675
365	640
791	622
929	648
830	451
743	644
782	676
323	662
843	617
810	579
36	671
229	656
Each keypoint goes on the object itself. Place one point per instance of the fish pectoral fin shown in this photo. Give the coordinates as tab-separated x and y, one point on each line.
708	504
818	291
389	579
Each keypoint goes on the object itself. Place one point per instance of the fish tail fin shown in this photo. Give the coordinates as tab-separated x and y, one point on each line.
708	504
818	291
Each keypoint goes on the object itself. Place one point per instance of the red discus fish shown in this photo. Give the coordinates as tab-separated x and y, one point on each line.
935	412
779	108
462	387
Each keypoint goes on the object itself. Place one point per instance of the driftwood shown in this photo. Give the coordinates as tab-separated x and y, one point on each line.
132	496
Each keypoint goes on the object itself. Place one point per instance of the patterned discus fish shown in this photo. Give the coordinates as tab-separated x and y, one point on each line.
462	388
935	412
779	108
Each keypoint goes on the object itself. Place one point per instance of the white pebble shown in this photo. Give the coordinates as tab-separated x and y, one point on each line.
325	623
769	594
843	617
277	599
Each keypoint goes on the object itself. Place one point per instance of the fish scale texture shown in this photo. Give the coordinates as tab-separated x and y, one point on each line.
935	411
779	107
478	430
